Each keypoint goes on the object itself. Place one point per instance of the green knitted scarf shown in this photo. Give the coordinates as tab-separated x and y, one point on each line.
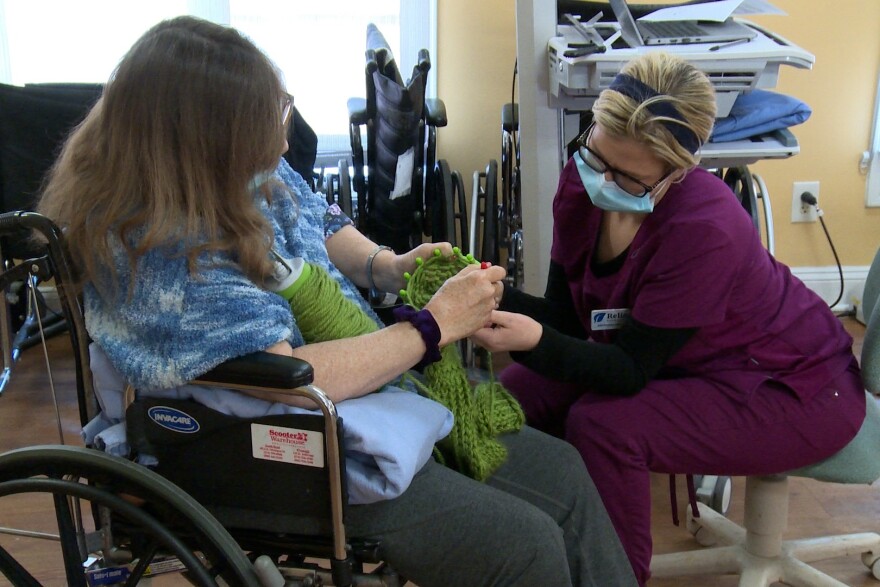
481	412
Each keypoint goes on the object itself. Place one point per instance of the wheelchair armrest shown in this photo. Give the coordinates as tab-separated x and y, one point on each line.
435	112
262	369
357	111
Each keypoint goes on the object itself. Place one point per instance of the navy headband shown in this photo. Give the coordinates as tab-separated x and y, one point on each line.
639	91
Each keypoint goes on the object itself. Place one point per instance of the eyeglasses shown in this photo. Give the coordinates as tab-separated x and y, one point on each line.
286	109
624	181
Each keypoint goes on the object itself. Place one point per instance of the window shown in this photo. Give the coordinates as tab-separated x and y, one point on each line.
318	45
871	158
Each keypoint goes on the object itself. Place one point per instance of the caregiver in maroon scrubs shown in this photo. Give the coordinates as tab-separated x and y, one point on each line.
668	338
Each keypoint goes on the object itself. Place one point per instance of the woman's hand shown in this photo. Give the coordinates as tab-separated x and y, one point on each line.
509	332
465	303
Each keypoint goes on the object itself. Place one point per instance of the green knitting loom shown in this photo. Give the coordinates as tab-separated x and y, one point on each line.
481	412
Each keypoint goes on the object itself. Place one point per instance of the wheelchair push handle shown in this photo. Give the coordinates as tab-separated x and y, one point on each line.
424	63
18	220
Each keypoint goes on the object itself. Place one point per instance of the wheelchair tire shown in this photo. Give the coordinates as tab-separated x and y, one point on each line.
460	212
741	182
491	246
168	520
443	204
515	270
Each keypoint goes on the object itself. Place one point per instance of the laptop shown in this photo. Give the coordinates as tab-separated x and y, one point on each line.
678	32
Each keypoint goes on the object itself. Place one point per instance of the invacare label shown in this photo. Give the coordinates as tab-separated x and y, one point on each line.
288	445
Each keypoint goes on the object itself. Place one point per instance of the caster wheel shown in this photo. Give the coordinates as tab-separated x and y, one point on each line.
714	491
872	561
721	495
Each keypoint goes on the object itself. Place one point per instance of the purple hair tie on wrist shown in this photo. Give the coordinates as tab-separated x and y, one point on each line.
424	322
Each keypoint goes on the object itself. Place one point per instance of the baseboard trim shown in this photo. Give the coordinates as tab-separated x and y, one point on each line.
825	281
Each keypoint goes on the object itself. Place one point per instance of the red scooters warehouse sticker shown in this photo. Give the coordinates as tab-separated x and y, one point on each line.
289	445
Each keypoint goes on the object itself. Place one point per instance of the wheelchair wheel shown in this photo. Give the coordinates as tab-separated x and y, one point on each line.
484	243
509	170
93	497
740	180
448	207
515	271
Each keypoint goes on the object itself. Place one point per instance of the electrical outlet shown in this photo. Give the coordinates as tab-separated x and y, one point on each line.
801	212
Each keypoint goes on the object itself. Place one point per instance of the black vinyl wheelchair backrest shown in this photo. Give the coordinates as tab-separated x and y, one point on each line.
398	126
34	122
302	149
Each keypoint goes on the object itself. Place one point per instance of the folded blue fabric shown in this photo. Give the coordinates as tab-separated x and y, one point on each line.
388	435
759	112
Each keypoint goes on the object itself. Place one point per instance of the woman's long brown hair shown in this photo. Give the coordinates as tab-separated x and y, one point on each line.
166	157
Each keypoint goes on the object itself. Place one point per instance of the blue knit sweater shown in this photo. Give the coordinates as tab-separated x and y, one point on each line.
177	326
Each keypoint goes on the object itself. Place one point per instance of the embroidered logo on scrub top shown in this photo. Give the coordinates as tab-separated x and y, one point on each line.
611	319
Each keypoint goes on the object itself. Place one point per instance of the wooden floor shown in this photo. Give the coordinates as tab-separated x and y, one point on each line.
27	417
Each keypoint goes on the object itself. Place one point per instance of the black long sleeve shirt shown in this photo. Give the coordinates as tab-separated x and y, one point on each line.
564	352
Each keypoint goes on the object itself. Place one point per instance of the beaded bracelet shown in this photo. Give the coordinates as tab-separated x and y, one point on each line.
424	322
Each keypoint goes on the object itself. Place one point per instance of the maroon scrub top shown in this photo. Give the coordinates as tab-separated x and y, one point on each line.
697	261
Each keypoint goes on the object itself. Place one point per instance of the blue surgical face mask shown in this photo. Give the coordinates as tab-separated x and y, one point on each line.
607	195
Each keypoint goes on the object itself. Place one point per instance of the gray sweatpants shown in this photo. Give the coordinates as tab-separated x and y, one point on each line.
537	521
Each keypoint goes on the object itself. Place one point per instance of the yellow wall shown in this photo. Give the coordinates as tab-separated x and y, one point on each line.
476	52
475	57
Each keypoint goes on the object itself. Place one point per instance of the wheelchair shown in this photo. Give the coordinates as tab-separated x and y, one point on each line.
403	192
495	231
751	191
510	216
272	519
34	121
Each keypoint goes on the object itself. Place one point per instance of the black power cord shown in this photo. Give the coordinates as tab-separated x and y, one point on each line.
810	200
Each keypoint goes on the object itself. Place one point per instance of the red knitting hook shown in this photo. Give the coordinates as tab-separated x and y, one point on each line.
485	265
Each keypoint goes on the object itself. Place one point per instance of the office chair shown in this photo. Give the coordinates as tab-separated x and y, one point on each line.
285	511
34	121
403	192
757	551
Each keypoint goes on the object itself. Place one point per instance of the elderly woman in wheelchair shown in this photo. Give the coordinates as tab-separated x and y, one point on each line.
191	238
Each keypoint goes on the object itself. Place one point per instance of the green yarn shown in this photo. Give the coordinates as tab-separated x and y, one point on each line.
323	312
481	413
